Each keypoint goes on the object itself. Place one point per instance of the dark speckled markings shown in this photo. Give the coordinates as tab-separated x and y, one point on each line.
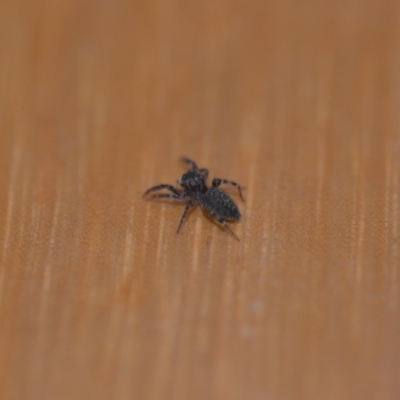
218	203
195	191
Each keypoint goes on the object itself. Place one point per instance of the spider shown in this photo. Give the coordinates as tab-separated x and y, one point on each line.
195	191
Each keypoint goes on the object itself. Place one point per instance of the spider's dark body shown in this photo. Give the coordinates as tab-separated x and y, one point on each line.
218	203
195	191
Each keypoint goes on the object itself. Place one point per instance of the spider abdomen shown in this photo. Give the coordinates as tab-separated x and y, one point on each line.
217	202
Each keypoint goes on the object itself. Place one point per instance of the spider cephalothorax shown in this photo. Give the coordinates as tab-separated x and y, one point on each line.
195	191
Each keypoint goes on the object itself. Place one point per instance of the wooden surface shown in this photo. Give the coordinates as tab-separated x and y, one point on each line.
298	101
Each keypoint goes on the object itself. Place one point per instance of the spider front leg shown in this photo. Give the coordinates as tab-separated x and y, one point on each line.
190	162
163	186
217	182
172	196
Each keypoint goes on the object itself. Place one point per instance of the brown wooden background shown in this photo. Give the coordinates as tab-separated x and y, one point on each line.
297	100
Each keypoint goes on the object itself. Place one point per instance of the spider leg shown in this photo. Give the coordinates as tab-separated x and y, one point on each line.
190	162
182	197
223	223
216	182
189	205
163	186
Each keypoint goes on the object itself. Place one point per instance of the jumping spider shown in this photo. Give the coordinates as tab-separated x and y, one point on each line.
195	191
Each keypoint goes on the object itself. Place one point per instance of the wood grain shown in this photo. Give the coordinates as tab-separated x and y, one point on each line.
297	101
